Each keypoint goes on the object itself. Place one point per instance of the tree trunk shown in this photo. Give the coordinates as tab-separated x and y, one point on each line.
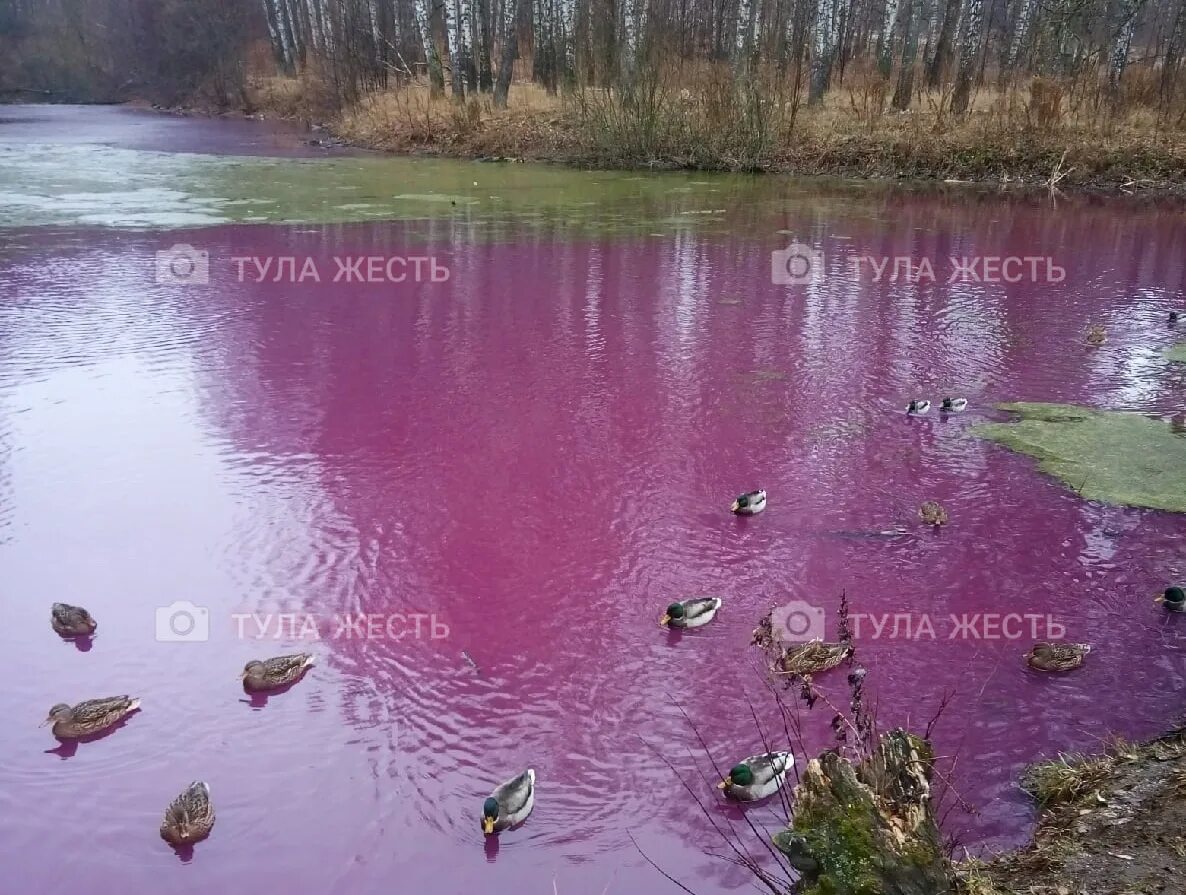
458	36
885	40
904	92
484	32
1173	54
869	828
432	53
510	51
942	56
823	46
1121	41
281	44
969	51
1021	28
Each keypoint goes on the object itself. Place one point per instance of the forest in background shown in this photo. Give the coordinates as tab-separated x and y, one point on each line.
691	83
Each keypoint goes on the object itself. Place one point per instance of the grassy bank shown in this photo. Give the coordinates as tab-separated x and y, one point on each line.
1032	134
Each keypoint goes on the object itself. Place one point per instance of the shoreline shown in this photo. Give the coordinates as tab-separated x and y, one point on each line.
1110	824
1050	165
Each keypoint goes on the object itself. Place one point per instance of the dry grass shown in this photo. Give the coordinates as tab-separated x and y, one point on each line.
409	118
1067	778
1038	132
973	879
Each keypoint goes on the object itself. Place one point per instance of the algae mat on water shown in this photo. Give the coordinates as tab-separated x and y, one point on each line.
1120	458
95	185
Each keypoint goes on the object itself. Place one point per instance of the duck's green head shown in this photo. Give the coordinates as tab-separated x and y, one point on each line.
489	815
1174	597
740	775
674	611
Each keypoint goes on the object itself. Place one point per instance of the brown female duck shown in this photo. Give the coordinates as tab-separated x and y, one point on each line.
812	657
190	817
1057	656
268	674
71	621
91	716
932	513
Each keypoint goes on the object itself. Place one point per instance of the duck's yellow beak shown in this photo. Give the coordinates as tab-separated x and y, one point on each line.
487	825
1160	598
664	620
728	781
734	507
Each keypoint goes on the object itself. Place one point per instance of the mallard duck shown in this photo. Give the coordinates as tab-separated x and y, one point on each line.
1057	656
1096	335
749	504
915	408
190	818
509	804
954	405
932	513
269	674
91	716
1174	599
691	613
71	621
757	777
813	657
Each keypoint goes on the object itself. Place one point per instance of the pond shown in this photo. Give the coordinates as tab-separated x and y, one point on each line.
469	475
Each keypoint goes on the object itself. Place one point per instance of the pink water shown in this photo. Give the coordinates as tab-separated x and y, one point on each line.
540	454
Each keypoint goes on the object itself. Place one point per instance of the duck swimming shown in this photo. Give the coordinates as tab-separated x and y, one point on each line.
749	504
757	777
932	513
954	405
1096	335
812	657
691	613
190	817
275	672
71	621
509	804
916	408
1173	599
1057	656
91	716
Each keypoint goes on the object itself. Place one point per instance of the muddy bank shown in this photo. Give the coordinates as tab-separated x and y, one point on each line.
1114	825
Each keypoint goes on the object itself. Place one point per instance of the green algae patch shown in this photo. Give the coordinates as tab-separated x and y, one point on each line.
97	185
1104	455
1177	353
